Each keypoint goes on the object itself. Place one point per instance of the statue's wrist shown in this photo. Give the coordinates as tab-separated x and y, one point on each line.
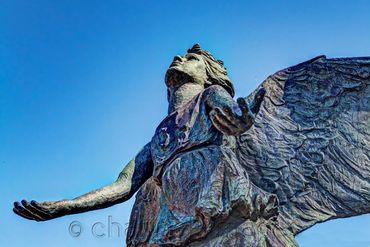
61	208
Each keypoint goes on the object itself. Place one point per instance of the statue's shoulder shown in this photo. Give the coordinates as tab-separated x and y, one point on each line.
215	90
215	95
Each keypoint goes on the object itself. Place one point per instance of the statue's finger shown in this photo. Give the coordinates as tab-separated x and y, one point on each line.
243	106
221	123
26	212
38	211
229	116
238	122
247	116
258	101
19	210
37	205
260	94
234	125
20	213
228	112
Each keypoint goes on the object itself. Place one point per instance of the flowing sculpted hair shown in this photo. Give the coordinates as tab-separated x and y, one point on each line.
216	72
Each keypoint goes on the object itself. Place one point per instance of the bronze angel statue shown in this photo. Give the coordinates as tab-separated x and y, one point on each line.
251	172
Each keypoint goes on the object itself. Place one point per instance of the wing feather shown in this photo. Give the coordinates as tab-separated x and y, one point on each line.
310	144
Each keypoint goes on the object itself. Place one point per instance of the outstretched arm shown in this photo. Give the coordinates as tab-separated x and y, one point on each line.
135	173
228	116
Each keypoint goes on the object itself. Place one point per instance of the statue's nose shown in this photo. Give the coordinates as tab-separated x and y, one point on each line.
177	58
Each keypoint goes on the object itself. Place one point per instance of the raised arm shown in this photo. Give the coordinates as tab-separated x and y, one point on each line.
135	173
228	116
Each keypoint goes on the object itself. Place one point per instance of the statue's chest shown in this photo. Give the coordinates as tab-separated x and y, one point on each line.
180	131
169	138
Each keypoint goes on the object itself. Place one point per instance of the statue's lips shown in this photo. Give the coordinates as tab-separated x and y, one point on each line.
174	64
172	70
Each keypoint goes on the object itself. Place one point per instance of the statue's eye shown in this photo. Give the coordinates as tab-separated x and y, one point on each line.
192	58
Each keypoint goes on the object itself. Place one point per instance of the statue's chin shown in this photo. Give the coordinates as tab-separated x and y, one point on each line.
175	77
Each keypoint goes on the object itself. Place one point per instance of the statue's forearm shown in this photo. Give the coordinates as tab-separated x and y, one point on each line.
117	192
97	199
135	173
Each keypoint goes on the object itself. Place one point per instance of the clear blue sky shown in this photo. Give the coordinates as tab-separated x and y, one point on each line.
81	90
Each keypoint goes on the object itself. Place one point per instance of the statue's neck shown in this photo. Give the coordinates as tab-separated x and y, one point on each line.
183	95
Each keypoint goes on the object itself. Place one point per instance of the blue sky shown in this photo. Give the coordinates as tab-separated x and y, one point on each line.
82	89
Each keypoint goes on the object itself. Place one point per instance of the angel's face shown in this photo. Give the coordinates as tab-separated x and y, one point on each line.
190	68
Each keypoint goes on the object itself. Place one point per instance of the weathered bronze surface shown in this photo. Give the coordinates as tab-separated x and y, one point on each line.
255	172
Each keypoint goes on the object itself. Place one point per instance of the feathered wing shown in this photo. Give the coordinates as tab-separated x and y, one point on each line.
310	144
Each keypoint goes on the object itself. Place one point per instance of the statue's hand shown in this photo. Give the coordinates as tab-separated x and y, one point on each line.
232	121
39	211
237	121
